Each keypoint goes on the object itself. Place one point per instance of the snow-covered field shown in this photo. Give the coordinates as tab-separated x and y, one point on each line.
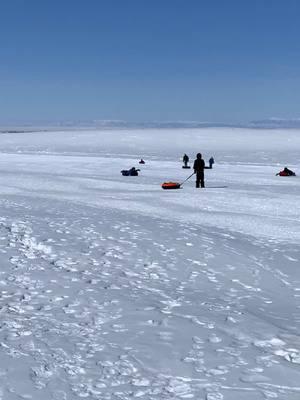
111	288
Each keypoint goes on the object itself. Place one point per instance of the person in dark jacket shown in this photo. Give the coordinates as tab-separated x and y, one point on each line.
199	166
185	160
211	162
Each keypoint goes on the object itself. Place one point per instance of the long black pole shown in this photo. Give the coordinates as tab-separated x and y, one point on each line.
187	178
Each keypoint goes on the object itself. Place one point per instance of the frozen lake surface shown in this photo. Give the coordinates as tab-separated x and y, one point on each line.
111	288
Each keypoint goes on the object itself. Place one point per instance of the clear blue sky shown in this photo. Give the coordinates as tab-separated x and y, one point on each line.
205	60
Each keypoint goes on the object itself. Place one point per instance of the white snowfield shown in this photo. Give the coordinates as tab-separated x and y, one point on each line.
112	288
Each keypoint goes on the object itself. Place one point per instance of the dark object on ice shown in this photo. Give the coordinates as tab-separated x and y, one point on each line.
211	162
185	160
130	172
142	161
286	172
199	166
186	167
175	185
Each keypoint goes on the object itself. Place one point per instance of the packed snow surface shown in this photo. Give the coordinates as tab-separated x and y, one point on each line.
112	288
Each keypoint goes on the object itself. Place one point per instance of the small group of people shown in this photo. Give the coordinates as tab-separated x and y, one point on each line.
186	159
199	167
132	171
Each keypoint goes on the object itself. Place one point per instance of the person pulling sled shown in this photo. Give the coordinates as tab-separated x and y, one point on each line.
199	166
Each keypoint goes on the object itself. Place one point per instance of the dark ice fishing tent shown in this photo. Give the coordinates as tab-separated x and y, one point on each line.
286	172
130	172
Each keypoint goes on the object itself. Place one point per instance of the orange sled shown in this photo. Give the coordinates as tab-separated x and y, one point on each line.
170	185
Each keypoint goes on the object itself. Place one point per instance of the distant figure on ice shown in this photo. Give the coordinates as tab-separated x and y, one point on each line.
185	160
286	172
130	172
211	161
199	166
142	161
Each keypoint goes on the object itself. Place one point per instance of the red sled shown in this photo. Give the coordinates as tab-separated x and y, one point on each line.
170	185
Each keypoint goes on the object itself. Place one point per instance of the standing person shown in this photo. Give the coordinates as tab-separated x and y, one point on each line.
185	159
199	166
211	162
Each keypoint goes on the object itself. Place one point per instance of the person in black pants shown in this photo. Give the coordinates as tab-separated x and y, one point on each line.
199	166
